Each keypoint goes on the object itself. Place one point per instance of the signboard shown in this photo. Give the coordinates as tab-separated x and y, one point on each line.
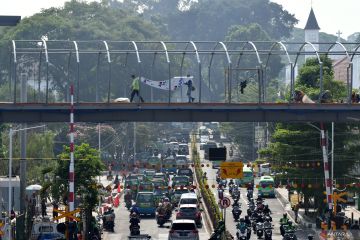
231	170
2	225
70	215
217	154
225	202
9	20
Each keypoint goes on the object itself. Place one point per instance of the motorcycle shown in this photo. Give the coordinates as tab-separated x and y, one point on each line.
290	235
236	211
108	222
282	229
235	194
241	234
160	219
128	204
259	229
134	229
250	194
268	231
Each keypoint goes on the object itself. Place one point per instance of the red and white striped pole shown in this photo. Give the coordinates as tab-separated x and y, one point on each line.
71	167
326	167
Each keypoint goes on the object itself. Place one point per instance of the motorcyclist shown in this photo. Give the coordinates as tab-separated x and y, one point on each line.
231	182
127	197
266	210
168	207
247	220
134	220
135	210
241	225
284	220
289	227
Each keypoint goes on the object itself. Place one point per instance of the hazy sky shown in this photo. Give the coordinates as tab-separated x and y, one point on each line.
332	15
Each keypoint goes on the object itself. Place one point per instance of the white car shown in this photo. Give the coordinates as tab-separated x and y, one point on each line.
183	229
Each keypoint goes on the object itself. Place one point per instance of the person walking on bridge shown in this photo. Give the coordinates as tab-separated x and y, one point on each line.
190	86
135	88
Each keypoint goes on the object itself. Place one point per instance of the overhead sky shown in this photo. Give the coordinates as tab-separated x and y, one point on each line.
332	15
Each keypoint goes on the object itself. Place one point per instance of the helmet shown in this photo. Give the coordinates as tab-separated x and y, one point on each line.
235	186
242	219
285	215
290	223
133	214
246	217
166	199
266	206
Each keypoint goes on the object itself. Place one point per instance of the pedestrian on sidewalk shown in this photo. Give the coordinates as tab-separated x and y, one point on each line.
135	88
296	211
43	207
55	207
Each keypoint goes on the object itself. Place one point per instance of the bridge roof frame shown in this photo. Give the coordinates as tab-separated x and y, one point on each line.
283	47
343	47
226	52
252	44
315	51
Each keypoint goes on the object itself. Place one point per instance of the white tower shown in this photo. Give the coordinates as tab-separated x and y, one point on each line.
311	33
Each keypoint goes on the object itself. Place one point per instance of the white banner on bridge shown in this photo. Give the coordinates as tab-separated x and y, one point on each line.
176	82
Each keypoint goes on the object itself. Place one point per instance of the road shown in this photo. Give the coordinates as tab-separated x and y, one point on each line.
274	205
147	226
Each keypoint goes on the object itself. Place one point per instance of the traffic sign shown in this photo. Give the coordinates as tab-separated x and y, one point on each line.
2	224
225	202
67	214
231	170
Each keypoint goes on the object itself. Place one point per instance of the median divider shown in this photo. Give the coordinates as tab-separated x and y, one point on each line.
209	203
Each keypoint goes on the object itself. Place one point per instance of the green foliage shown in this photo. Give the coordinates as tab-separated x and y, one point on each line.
87	167
206	193
308	79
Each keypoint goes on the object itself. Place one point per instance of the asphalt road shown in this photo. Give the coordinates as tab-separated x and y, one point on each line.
147	226
274	205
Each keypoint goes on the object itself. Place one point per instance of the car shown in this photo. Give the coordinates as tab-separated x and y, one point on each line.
183	229
180	181
185	172
149	174
184	148
160	176
189	198
189	211
176	194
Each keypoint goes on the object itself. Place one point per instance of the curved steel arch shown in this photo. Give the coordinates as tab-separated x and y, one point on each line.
302	47
198	62
355	51
254	49
283	47
342	46
320	62
136	51
167	61
349	81
107	51
211	60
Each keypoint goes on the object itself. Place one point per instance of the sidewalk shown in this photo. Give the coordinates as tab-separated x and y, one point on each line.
303	220
283	196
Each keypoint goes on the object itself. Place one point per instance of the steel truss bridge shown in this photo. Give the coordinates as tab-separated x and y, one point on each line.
98	67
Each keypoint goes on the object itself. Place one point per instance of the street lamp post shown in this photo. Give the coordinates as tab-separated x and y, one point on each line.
11	133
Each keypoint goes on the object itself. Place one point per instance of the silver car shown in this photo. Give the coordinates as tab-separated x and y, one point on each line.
183	229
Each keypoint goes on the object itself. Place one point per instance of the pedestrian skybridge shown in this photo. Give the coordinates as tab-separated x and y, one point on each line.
234	81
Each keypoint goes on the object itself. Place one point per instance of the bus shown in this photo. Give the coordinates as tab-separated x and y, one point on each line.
264	169
248	177
266	187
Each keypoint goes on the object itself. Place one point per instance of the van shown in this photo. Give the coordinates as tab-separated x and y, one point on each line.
189	198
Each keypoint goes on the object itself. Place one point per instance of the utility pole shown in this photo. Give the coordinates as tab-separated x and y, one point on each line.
23	99
332	157
134	143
